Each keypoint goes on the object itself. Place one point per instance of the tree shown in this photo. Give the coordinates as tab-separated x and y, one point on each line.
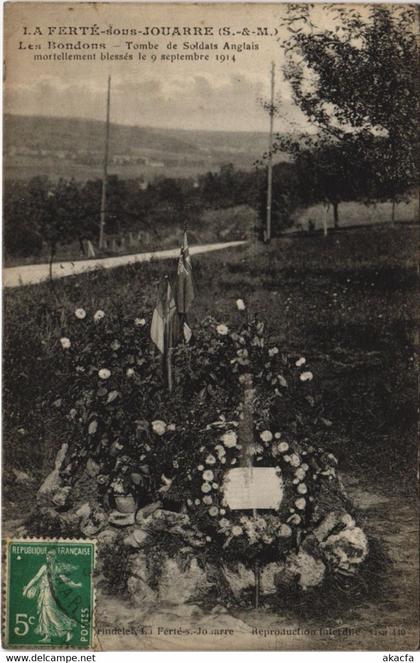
331	171
21	236
357	82
57	212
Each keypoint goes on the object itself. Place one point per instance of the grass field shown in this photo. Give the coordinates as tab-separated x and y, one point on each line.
348	302
357	213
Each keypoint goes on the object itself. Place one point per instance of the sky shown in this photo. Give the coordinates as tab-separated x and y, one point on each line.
200	95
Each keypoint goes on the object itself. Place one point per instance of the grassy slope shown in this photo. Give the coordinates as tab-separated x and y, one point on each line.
346	302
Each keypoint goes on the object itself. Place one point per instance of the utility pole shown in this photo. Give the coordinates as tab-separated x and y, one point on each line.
105	168
267	234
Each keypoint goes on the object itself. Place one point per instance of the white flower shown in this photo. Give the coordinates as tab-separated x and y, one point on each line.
65	343
300	362
240	305
300	473
273	351
104	373
205	488
171	427
215	485
307	375
210	460
285	531
283	447
139	322
223	522
266	436
300	503
237	530
277	436
115	345
208	475
222	330
208	538
207	499
129	372
189	502
80	313
295	519
200	468
73	412
220	450
302	489
99	315
214	511
159	427
229	439
294	460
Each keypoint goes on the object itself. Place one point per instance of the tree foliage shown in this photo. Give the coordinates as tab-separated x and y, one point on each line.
44	212
353	72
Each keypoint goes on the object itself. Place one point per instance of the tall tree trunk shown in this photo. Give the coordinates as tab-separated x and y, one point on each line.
325	219
53	249
51	261
336	219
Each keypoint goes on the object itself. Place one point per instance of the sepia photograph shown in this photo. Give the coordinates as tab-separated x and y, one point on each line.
210	327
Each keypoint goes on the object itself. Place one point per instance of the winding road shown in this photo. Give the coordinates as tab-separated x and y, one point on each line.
14	277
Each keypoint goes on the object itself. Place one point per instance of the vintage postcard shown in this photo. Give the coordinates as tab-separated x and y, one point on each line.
210	287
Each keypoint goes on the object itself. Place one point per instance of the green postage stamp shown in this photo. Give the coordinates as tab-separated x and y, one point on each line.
49	598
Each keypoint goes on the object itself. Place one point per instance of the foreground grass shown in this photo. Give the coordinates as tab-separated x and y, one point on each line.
347	302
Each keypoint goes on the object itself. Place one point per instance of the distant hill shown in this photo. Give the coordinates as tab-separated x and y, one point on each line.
72	147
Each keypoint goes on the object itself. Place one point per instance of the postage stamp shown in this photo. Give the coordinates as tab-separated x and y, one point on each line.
49	599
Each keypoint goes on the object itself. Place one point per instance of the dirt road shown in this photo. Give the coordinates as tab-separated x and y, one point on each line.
14	277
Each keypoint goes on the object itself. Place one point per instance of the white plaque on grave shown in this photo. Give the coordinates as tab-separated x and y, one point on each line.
253	488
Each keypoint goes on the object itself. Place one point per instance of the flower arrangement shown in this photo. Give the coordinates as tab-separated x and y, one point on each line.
264	534
178	447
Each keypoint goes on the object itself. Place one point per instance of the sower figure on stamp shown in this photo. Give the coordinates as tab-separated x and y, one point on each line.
53	620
